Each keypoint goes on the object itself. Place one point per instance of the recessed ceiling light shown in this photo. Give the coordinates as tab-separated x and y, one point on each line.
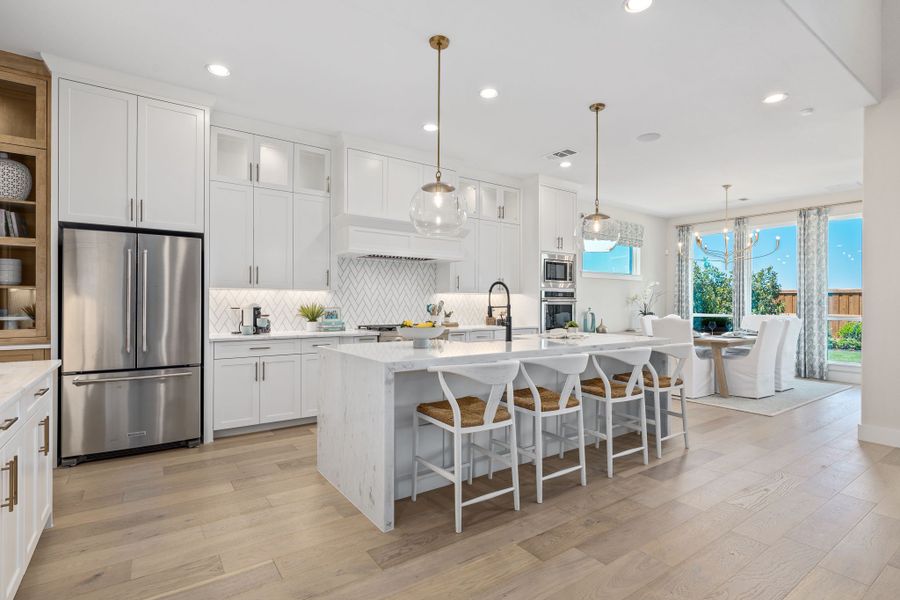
429	127
651	136
807	111
775	98
218	70
488	93
565	164
636	6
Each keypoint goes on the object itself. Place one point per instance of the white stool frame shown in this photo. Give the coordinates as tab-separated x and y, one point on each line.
681	353
499	376
572	366
637	358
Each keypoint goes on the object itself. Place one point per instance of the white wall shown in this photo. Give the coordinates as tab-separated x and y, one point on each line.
880	400
608	297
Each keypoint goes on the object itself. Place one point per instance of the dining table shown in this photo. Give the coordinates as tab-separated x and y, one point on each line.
717	345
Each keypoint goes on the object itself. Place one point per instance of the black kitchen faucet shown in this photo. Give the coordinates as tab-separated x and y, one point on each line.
508	308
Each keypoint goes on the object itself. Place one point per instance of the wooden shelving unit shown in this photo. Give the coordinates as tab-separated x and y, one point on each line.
25	138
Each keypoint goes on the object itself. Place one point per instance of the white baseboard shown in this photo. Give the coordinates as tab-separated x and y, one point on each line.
879	435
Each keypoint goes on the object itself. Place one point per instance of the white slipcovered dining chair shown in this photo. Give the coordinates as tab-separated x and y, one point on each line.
786	364
647	324
752	375
752	322
698	371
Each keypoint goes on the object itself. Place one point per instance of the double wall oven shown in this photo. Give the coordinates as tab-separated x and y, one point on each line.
557	289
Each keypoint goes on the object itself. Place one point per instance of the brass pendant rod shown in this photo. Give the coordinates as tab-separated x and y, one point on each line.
597	162
437	174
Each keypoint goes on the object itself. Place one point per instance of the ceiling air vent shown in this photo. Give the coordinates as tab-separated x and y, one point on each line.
559	154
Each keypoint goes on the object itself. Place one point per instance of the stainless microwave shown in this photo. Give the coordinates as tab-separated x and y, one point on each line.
557	270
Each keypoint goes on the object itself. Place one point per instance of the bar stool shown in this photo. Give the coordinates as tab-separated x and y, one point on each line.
609	393
466	416
665	383
540	403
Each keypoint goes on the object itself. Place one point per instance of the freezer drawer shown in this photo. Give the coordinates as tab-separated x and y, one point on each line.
129	409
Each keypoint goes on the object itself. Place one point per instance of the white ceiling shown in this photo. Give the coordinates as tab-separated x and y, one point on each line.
692	70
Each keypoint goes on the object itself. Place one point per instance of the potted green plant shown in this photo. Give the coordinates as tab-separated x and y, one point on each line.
312	313
572	327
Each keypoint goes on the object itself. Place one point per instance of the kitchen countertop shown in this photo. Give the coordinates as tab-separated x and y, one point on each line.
401	356
291	335
16	377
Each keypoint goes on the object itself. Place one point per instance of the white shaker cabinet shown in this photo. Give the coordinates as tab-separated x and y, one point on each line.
367	180
489	201
468	195
311	364
230	235
312	242
279	388
273	224
557	220
236	384
12	524
274	162
312	170
404	179
510	206
97	154
170	171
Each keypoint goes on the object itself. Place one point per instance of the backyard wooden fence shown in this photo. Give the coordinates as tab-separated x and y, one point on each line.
840	302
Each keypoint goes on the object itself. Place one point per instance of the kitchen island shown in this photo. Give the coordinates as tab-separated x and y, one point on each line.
369	393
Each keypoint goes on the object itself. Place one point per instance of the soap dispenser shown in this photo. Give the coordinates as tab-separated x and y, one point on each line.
589	323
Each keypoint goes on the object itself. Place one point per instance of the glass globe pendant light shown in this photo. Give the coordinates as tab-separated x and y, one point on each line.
435	209
598	232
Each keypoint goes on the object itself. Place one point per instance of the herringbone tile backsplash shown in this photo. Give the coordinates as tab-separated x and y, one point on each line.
366	291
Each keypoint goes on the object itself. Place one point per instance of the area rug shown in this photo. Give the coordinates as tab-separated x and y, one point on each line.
806	391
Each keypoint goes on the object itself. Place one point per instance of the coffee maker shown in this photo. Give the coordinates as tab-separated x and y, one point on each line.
250	314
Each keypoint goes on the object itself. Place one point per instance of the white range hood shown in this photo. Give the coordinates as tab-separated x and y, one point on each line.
371	237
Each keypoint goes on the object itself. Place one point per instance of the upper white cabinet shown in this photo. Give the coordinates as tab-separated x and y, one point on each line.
274	164
462	276
312	242
367	180
557	220
510	252
312	170
498	203
273	226
231	156
230	235
498	255
170	169
404	179
129	161
468	195
510	205
97	154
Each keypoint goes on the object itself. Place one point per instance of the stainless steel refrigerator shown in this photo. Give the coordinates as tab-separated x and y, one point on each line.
131	341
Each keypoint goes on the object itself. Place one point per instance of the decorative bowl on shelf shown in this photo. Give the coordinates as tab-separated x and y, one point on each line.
421	335
15	178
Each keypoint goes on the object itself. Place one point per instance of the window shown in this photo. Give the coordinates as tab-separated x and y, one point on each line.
845	290
621	260
713	286
773	288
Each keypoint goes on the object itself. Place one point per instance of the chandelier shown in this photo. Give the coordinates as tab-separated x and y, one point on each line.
435	208
598	231
743	248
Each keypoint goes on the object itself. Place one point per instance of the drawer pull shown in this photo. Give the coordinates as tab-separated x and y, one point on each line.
45	449
8	423
41	392
261	348
13	499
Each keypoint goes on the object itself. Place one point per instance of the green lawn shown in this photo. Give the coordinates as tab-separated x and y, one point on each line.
845	356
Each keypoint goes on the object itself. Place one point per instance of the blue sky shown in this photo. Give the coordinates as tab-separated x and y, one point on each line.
844	253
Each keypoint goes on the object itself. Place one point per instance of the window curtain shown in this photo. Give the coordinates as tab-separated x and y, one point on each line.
631	234
812	292
684	273
741	272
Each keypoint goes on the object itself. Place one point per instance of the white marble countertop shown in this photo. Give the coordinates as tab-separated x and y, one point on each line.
401	356
15	377
287	335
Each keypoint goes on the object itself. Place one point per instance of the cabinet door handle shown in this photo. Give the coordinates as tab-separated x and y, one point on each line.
250	175
257	275
327	277
250	281
131	211
45	449
257	172
498	212
8	423
256	372
457	283
328	184
264	371
142	210
13	467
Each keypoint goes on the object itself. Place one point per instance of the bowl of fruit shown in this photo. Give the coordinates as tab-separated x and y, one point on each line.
420	333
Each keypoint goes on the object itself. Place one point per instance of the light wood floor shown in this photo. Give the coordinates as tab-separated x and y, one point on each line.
759	508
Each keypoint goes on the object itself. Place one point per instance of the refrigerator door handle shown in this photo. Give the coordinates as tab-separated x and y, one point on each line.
144	306
78	381
128	277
